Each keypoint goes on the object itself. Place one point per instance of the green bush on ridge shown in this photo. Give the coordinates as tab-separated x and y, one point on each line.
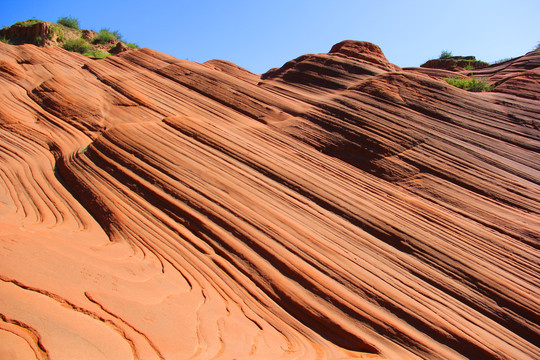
69	22
29	22
79	45
445	54
105	36
470	84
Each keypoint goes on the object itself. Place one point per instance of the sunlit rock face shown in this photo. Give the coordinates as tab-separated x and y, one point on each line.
338	207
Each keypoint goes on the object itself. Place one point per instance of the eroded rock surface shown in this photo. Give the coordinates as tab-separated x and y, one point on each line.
338	207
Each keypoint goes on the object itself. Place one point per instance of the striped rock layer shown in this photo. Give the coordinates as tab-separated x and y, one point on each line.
338	207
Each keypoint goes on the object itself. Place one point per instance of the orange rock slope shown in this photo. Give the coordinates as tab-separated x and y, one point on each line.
338	207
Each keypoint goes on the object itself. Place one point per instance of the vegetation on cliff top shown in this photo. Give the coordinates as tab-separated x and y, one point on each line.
69	22
66	33
449	61
445	54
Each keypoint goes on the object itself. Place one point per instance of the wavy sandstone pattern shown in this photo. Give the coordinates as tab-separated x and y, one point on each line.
338	207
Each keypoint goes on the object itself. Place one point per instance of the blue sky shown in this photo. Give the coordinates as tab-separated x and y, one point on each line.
259	35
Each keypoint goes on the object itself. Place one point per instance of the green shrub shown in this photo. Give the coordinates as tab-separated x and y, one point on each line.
79	45
470	84
106	36
5	40
38	40
132	46
59	33
69	22
96	54
29	22
445	54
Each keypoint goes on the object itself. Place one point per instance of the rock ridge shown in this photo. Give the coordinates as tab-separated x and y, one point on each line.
338	207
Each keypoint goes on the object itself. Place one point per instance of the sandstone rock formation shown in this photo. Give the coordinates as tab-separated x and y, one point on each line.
455	63
49	34
338	207
39	33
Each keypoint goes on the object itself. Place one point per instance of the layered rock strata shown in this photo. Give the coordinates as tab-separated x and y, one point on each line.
338	207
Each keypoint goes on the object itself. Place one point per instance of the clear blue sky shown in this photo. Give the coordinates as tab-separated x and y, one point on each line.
259	34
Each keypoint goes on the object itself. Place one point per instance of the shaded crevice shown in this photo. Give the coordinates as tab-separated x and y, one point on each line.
87	199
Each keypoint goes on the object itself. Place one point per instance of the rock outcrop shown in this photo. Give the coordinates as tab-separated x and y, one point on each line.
38	33
455	63
43	33
338	207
